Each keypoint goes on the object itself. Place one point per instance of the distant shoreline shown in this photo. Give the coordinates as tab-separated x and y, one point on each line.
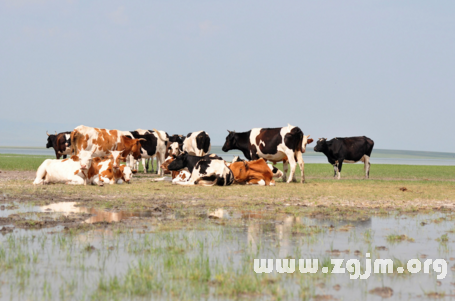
378	153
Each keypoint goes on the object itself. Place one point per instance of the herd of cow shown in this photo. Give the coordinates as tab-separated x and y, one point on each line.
96	156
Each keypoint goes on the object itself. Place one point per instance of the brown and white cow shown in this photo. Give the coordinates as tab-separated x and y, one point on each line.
273	144
69	171
102	172
103	141
255	172
176	176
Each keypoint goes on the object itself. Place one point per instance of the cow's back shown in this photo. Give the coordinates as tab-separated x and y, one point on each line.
354	148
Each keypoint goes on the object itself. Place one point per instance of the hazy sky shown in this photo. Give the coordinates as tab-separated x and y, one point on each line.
384	69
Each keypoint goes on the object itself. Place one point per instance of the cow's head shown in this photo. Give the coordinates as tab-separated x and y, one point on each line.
305	142
179	162
85	158
230	142
321	145
173	149
127	174
50	140
116	157
166	163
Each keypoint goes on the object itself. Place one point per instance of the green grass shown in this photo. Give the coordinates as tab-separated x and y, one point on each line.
349	171
21	162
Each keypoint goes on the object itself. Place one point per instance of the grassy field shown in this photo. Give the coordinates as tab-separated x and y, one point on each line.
180	251
325	171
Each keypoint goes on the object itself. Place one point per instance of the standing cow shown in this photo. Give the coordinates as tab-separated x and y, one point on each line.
197	143
61	143
274	144
346	150
153	144
102	142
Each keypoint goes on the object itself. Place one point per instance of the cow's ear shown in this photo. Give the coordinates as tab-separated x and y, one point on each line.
123	158
310	141
246	165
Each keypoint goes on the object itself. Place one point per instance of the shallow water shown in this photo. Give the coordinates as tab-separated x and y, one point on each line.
213	245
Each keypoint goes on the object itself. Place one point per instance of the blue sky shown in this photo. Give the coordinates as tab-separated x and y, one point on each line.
384	69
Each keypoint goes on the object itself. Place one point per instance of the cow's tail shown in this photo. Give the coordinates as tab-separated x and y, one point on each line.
74	137
158	133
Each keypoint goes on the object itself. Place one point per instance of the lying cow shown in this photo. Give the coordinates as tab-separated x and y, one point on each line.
346	150
176	176
102	172
197	143
273	144
255	172
72	171
275	171
205	170
61	143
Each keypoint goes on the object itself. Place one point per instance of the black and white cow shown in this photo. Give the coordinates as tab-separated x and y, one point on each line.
61	143
153	146
273	144
208	170
346	150
197	143
186	160
173	146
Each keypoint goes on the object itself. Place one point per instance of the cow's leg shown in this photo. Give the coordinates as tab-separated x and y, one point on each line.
335	170
77	181
293	165
366	166
160	160
64	156
285	170
260	182
302	167
340	164
144	164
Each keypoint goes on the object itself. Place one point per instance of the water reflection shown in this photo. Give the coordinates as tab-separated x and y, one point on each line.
98	215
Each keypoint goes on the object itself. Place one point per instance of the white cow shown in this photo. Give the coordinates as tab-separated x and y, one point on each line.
69	171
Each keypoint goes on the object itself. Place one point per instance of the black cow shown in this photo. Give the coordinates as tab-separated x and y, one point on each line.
274	144
61	143
346	150
197	143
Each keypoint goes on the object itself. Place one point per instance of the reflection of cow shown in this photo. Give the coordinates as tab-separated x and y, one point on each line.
275	144
61	143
